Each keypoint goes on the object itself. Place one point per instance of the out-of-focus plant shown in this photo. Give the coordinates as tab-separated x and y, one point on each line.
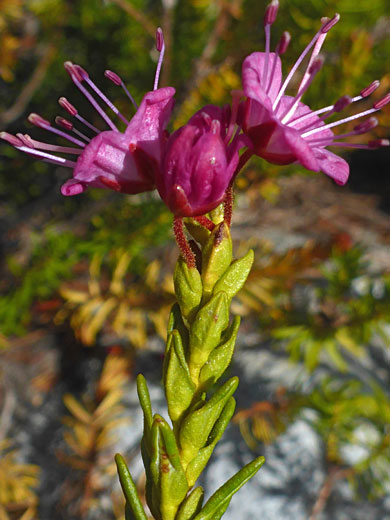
126	306
353	419
18	482
91	430
342	315
37	274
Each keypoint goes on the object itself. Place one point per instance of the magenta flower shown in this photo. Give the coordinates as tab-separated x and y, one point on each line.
200	162
127	162
281	128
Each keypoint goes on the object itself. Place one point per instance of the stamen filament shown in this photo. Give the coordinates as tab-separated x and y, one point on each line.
119	82
106	100
297	63
47	156
38	121
94	103
160	45
39	145
341	122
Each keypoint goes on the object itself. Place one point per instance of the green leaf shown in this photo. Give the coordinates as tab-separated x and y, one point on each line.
198	232
191	506
216	257
129	490
144	399
234	278
168	474
217	503
220	357
205	332
175	321
196	427
188	288
179	388
196	466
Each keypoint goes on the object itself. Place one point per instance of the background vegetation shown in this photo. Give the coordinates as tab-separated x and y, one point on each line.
95	270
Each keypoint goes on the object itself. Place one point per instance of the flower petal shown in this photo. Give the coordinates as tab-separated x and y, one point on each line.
253	79
332	165
146	127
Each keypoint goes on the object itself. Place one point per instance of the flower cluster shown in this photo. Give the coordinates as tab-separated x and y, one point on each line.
194	167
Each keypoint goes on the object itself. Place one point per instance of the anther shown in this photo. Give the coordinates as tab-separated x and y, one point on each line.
366	126
378	143
271	12
26	140
37	120
113	77
382	102
11	139
61	121
342	103
283	44
65	104
367	91
73	70
331	23
159	39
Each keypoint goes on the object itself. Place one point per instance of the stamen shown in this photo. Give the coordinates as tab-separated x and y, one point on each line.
119	82
301	58
378	143
160	46
61	121
377	106
64	103
281	48
359	129
283	43
267	31
382	102
305	84
47	157
331	23
367	91
271	12
371	145
37	120
75	75
32	143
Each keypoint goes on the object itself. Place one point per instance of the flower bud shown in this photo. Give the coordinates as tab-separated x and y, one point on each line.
198	165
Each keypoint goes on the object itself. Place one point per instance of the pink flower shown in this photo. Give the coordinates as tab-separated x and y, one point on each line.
127	162
281	128
200	162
